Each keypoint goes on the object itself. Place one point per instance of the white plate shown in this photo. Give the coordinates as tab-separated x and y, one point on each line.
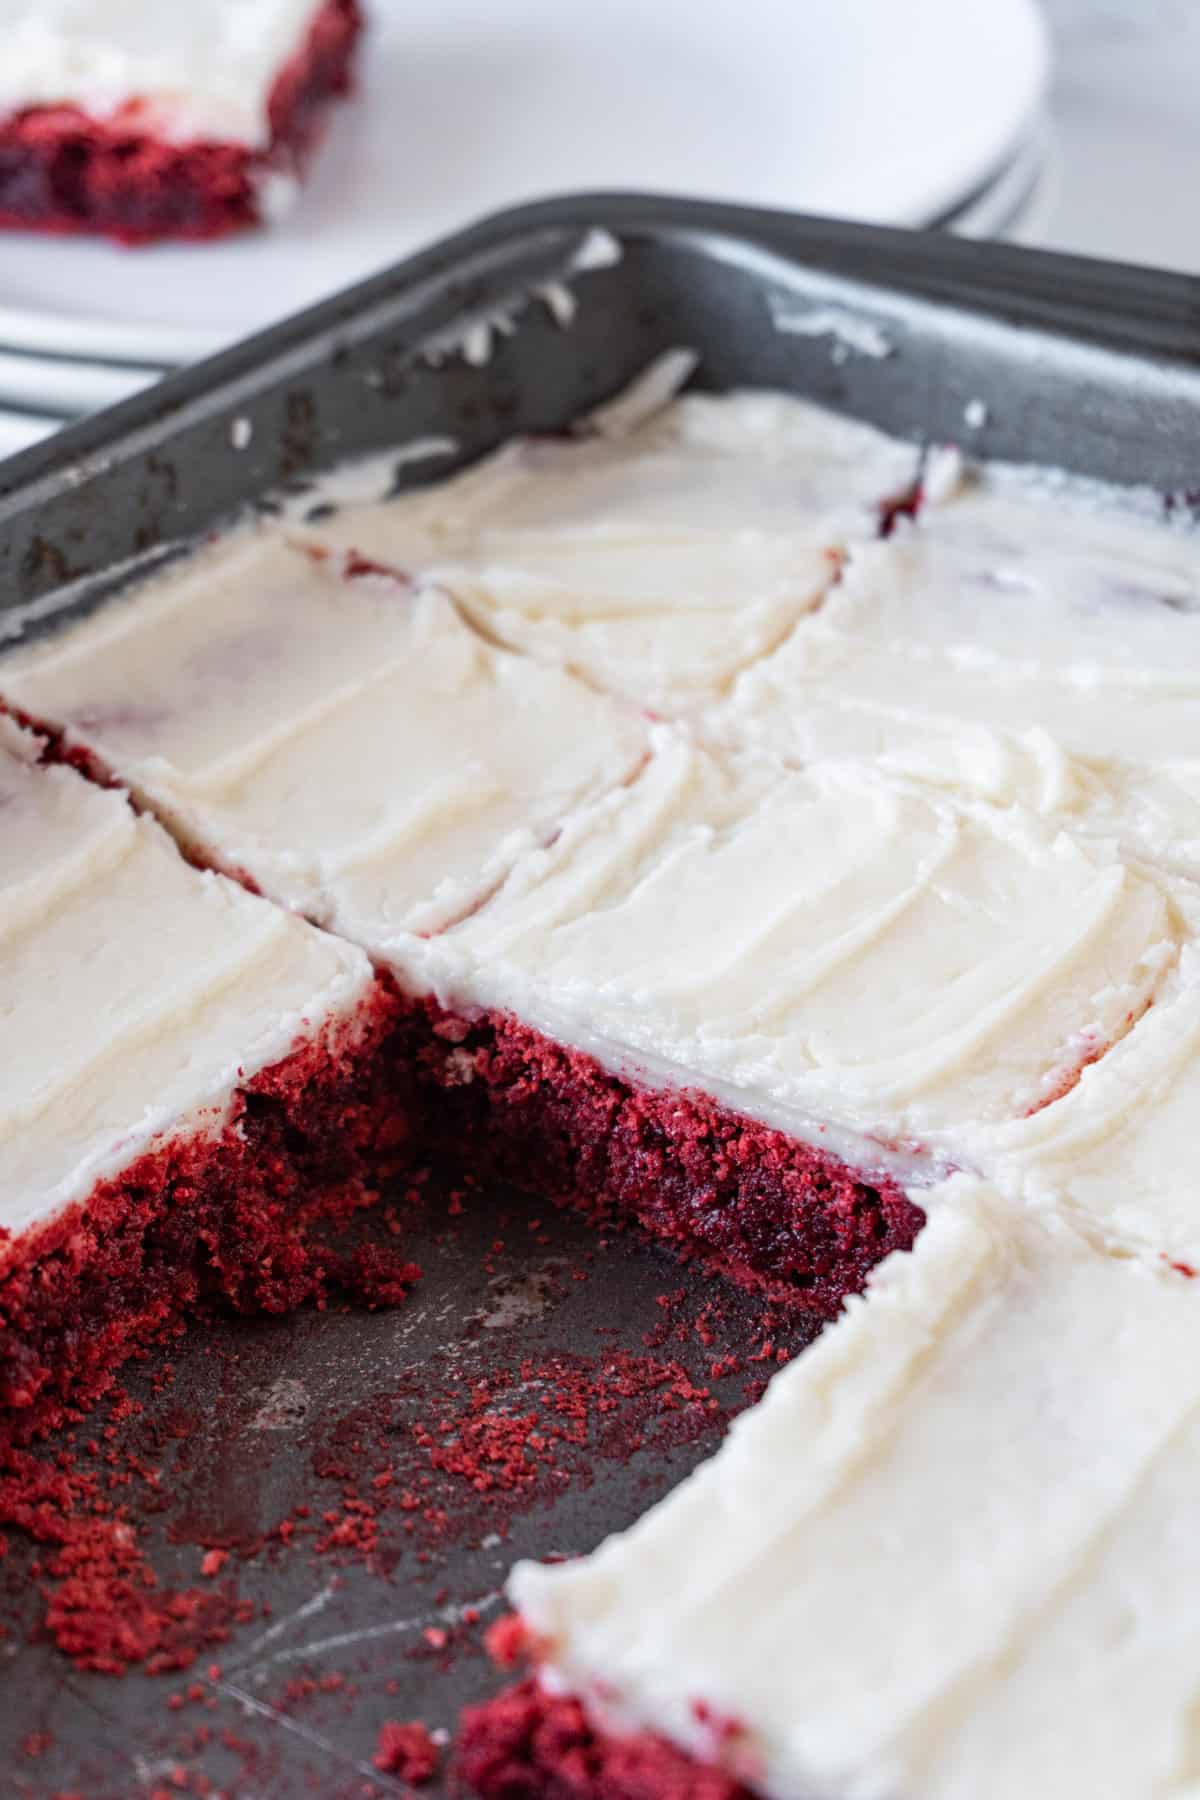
865	108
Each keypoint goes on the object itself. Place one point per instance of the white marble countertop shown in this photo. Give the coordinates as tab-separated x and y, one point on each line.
1126	116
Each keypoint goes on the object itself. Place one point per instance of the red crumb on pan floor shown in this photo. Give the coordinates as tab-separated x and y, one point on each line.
422	1466
429	1462
142	1542
613	1403
407	1750
433	1463
104	1606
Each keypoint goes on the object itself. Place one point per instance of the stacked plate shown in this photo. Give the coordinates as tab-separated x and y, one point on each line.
930	113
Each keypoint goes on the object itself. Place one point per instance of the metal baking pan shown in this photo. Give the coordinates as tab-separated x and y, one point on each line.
1027	357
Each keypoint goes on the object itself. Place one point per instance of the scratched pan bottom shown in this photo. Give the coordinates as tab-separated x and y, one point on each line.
610	1345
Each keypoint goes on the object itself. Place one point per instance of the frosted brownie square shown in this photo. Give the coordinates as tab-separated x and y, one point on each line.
1024	640
838	953
335	735
656	562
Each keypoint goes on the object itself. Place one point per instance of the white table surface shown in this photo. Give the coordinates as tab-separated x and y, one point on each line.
1126	114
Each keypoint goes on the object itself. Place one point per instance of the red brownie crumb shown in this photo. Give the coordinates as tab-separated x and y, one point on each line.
530	1745
407	1751
509	1642
104	1607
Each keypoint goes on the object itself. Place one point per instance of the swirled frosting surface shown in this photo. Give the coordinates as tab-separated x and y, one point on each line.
657	562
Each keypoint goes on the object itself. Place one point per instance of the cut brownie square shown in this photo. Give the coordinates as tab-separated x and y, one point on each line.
192	1079
335	736
1025	641
862	966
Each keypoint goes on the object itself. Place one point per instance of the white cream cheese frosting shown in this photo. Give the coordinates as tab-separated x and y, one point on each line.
185	71
346	740
1118	1152
827	943
178	986
1020	642
657	562
949	1554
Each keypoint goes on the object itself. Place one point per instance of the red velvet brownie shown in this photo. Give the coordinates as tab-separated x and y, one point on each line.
762	1009
333	733
1025	639
195	1084
139	121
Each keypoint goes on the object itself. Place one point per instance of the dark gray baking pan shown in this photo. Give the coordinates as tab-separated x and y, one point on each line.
1082	365
1079	364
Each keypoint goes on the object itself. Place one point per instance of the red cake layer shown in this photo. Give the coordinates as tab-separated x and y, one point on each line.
244	1217
61	171
237	1218
249	1217
530	1745
757	1205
